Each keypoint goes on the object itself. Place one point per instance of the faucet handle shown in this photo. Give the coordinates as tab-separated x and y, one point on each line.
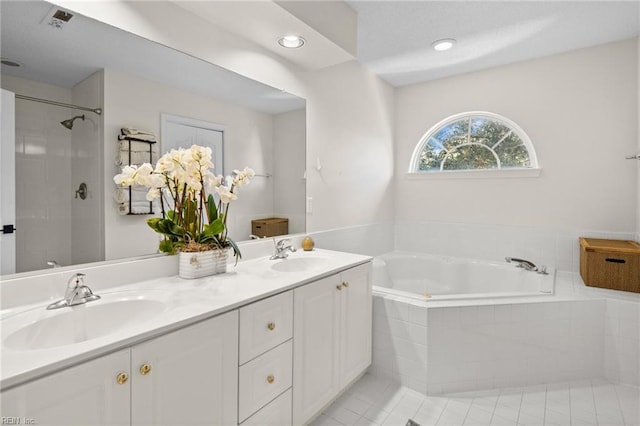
76	280
283	242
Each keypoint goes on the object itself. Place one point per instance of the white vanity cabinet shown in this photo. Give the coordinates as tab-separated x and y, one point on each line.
87	394
265	361
332	338
185	377
277	361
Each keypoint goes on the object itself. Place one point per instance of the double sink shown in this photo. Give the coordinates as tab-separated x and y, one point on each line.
39	329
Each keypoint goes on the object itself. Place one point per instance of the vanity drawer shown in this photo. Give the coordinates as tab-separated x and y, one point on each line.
263	379
276	413
264	325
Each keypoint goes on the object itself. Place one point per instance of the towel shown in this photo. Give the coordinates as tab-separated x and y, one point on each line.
136	146
139	153
138	194
138	204
137	158
142	137
123	209
132	131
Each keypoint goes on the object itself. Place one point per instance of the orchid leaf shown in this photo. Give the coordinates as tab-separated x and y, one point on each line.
236	250
212	210
214	228
167	246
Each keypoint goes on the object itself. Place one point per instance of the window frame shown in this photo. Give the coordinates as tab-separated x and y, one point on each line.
532	170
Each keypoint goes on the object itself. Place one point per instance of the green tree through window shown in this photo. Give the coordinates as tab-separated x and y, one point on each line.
471	141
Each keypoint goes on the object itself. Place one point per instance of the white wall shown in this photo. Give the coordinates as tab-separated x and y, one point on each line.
43	175
350	133
349	109
580	111
289	159
131	101
638	150
87	233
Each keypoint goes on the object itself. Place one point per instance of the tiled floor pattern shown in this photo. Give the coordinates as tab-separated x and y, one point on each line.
374	401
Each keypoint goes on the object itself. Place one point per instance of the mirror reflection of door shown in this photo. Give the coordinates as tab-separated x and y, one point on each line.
181	132
7	187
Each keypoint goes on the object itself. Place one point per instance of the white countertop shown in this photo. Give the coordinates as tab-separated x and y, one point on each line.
185	301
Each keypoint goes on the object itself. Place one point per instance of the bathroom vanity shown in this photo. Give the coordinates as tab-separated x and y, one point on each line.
269	343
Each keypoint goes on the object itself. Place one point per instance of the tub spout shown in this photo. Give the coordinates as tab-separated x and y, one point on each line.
526	264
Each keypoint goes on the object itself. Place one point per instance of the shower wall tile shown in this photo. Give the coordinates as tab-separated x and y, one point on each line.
622	342
547	246
371	240
400	342
514	345
43	173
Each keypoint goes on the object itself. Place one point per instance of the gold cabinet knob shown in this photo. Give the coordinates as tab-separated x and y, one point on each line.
122	378
345	284
339	286
145	369
270	378
271	325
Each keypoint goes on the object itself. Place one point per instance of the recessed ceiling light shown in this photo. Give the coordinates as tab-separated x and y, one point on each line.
291	41
444	44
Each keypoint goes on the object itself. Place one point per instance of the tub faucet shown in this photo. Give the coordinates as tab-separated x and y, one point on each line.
528	265
77	293
282	248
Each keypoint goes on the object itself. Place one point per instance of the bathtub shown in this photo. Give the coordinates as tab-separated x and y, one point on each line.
438	278
444	324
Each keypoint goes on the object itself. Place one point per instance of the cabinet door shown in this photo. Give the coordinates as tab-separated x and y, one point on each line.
277	413
192	375
356	325
87	394
316	317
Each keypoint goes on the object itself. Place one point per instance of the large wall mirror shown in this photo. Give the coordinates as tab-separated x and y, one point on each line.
134	82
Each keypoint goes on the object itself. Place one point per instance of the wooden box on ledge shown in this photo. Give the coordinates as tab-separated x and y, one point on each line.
270	227
612	264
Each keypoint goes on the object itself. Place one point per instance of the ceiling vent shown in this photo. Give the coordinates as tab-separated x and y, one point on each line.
57	18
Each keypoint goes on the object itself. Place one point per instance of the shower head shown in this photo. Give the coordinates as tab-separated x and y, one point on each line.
69	123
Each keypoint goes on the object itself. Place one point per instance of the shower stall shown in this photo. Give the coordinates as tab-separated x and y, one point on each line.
58	172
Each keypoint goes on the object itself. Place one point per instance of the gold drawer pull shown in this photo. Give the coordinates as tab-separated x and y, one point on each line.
122	378
271	326
270	378
339	286
345	284
145	369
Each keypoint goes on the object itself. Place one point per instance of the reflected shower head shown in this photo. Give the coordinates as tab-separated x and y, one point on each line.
69	123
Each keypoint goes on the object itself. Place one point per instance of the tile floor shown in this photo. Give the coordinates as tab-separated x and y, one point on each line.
375	401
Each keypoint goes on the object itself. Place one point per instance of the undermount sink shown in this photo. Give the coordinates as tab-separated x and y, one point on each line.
81	323
299	264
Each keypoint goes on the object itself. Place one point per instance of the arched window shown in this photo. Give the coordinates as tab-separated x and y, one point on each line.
474	141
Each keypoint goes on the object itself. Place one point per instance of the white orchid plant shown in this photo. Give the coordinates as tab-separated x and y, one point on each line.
195	202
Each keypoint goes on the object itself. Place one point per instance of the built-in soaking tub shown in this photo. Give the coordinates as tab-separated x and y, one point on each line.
438	278
443	324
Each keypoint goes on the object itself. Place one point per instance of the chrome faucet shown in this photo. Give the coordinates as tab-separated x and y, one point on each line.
528	265
77	293
282	247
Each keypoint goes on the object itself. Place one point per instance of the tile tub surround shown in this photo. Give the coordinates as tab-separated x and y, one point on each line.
507	345
437	349
622	342
556	248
